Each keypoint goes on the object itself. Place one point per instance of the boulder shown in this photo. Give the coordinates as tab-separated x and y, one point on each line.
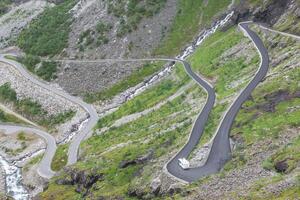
174	189
139	160
83	180
281	166
155	186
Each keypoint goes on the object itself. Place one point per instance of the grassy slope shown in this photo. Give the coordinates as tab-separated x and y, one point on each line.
60	158
191	16
143	135
5	117
151	97
207	61
48	34
141	130
135	78
254	125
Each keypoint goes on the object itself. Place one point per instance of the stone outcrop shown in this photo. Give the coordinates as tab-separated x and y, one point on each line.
281	166
155	186
139	160
83	180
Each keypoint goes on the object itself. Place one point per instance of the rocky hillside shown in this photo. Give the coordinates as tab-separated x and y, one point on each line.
104	29
126	156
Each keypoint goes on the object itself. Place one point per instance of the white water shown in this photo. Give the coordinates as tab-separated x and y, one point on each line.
70	136
13	178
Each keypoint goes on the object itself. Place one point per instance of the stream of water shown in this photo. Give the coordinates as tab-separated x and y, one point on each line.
13	179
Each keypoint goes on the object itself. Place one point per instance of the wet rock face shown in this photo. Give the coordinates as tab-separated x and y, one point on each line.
281	166
272	13
273	99
139	160
83	180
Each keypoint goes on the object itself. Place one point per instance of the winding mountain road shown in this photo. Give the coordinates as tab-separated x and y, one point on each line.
44	167
93	116
220	151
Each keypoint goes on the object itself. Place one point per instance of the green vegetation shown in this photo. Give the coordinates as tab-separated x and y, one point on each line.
131	13
148	99
29	61
60	158
31	109
208	61
135	78
101	153
48	34
21	136
290	154
7	94
191	16
104	153
60	118
89	37
273	122
33	161
5	117
4	5
47	70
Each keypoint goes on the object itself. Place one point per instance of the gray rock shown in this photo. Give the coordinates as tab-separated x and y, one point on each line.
155	186
175	188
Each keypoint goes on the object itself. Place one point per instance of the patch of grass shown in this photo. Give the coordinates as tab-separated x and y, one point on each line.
5	117
60	192
205	60
60	118
108	163
267	164
135	78
7	94
191	16
99	36
290	153
144	133
48	34
60	158
31	109
29	61
266	124
33	161
148	98
21	136
47	70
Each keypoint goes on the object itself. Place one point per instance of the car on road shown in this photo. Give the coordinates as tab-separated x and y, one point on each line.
184	163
